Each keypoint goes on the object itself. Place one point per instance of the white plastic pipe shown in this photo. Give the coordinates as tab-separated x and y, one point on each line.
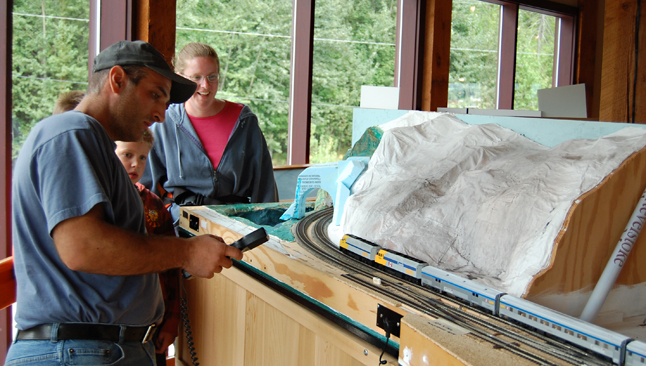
616	262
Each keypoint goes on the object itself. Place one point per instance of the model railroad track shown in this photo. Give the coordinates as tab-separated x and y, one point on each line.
311	233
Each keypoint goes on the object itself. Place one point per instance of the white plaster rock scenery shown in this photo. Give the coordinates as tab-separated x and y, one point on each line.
478	200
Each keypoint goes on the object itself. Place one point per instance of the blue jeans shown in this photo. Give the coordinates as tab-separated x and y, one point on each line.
80	352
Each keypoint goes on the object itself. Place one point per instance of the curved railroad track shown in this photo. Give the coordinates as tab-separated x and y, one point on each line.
311	234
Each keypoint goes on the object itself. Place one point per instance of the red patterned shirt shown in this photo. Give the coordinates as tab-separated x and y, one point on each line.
160	222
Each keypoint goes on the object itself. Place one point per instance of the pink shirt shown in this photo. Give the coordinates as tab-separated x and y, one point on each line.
214	131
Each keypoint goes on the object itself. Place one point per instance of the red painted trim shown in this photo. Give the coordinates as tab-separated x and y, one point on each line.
542	6
507	56
412	52
92	46
564	51
300	90
116	22
6	30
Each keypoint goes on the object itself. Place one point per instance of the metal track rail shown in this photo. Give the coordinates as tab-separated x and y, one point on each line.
311	233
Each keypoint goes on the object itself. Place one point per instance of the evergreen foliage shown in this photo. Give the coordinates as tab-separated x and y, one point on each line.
473	66
50	53
534	58
354	45
474	55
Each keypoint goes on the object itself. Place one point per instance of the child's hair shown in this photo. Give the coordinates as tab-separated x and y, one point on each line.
68	101
148	137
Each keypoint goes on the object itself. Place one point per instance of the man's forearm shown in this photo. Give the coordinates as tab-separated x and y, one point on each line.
89	244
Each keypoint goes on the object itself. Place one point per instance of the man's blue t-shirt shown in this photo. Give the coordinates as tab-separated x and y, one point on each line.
67	166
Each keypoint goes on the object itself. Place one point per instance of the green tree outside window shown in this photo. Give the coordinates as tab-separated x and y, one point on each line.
50	53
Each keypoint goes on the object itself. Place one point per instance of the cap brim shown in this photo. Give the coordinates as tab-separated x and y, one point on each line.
181	89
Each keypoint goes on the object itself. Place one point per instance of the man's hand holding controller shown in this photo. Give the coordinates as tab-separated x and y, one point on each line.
209	254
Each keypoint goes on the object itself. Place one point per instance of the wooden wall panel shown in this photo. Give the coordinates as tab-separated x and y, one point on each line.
437	53
588	59
308	274
425	343
154	22
591	231
617	75
235	320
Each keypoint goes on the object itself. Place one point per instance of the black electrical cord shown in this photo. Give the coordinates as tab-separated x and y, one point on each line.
637	21
387	329
183	303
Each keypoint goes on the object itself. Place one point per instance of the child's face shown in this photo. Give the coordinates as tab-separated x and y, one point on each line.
133	156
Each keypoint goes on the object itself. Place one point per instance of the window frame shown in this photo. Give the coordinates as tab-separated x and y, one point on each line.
6	32
564	45
409	41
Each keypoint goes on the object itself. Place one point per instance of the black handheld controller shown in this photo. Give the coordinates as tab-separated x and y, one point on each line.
245	243
251	240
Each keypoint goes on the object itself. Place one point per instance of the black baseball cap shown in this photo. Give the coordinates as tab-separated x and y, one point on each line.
140	53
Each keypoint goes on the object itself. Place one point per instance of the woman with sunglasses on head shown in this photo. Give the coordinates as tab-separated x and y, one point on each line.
208	151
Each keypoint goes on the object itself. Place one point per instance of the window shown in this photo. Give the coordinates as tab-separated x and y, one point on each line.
50	52
474	54
354	45
534	57
502	53
253	42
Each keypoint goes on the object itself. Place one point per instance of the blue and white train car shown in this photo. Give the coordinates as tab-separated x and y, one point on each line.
600	340
362	248
635	354
406	266
462	288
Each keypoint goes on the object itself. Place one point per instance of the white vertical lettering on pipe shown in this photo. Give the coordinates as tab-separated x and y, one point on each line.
616	262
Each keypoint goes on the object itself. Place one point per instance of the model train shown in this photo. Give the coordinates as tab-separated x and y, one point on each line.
622	350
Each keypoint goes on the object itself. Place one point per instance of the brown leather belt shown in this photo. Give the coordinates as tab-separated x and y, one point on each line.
96	332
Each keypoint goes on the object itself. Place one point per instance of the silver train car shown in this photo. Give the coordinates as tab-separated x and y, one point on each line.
622	350
597	339
635	354
462	288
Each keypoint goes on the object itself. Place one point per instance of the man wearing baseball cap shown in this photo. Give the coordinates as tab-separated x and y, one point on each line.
87	285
